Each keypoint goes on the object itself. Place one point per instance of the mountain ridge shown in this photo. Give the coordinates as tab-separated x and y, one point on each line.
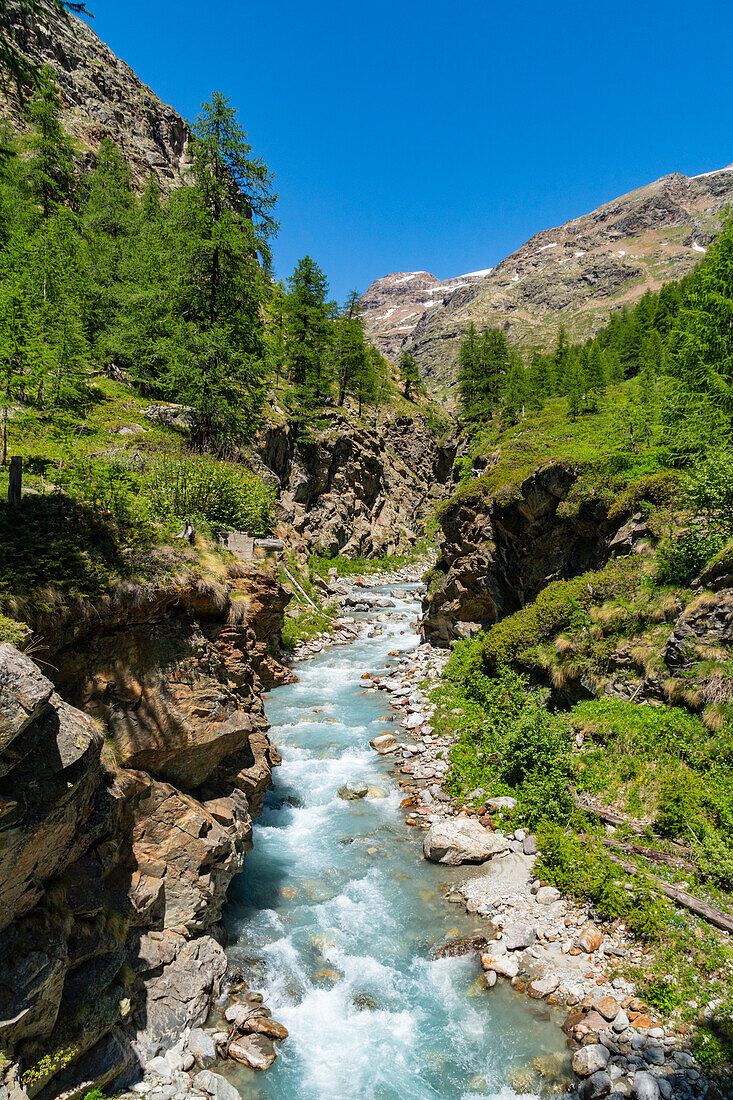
574	274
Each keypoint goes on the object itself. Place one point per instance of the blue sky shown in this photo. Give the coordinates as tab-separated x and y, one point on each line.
411	134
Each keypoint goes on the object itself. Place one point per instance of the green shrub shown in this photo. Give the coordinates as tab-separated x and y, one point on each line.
713	1045
13	631
562	605
682	557
222	495
584	870
662	994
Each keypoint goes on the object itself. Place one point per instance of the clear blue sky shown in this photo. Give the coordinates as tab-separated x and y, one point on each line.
412	134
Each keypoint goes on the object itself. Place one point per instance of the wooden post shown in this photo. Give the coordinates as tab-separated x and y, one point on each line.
15	480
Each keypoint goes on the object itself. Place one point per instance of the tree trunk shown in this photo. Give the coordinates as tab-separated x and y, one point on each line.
682	897
15	480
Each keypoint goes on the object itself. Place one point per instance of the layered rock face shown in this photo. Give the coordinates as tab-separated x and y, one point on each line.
393	305
498	554
575	275
356	490
102	97
123	819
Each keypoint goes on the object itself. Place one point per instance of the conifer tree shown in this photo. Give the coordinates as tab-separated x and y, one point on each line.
215	233
516	388
49	166
410	375
483	364
309	332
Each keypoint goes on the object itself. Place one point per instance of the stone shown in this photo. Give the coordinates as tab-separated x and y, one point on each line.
160	1067
645	1086
24	693
384	743
529	846
547	895
542	987
654	1054
462	840
621	1021
608	1007
216	1086
201	1045
504	802
255	1051
590	1059
595	1086
590	939
503	965
516	936
350	793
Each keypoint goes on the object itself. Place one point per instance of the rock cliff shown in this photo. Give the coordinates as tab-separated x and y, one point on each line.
354	489
127	791
498	553
574	275
102	97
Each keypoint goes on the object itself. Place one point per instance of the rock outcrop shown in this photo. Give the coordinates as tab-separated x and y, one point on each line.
574	275
102	97
125	810
353	489
497	554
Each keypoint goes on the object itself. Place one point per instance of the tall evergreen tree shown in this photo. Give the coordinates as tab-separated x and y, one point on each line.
49	165
410	375
309	332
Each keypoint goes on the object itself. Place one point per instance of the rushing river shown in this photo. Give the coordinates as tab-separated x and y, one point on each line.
335	914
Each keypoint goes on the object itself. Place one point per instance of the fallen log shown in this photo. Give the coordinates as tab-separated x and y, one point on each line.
611	817
653	854
682	897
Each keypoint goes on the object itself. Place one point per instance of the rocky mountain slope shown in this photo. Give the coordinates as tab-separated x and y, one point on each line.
575	275
127	790
102	97
394	304
353	489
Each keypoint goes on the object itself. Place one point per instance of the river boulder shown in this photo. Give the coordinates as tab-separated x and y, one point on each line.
351	792
462	840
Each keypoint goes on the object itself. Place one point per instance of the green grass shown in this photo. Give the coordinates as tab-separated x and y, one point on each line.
355	567
597	442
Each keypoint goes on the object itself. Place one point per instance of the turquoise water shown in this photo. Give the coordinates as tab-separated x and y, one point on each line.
335	914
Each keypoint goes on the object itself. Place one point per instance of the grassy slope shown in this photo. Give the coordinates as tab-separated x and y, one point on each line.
666	763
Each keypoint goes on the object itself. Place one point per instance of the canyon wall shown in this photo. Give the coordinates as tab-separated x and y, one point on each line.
356	490
131	766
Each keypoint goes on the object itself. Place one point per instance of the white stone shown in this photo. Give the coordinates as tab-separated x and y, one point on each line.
462	840
590	1060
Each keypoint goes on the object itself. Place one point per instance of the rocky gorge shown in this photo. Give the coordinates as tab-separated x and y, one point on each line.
130	782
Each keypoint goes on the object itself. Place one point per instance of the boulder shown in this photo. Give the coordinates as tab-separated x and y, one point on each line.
462	840
547	895
504	802
590	1059
645	1086
352	793
504	965
214	1085
542	987
255	1051
201	1045
590	939
384	743
596	1086
517	936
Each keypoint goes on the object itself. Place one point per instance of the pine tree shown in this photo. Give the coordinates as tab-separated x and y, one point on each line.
410	375
483	365
516	388
49	166
109	220
309	332
214	234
